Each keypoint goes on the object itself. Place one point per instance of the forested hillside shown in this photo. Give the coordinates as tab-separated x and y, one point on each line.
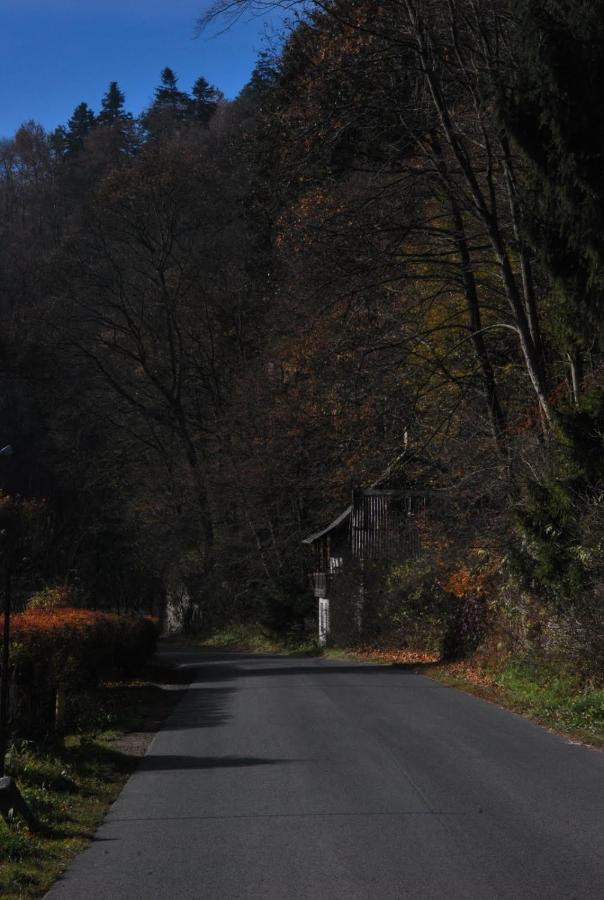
385	255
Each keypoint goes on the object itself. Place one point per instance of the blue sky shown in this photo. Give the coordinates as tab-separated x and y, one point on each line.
56	53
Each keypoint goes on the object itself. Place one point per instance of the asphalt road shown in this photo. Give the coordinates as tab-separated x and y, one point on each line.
285	779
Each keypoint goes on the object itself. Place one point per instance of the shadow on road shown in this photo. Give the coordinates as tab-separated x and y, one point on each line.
155	763
226	671
205	707
206	704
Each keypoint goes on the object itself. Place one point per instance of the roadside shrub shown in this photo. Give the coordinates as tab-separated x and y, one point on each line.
467	628
409	607
60	655
81	647
553	690
557	553
526	625
579	639
587	711
57	597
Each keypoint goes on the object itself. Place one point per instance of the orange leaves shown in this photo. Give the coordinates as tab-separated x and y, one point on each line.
464	582
48	621
471	672
400	657
81	646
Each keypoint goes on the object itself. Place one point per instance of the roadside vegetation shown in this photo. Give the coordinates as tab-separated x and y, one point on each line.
70	782
75	690
552	696
254	638
69	790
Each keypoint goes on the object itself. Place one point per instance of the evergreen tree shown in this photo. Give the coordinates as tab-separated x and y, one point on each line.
205	99
264	77
112	105
170	106
169	97
120	132
78	127
58	142
555	114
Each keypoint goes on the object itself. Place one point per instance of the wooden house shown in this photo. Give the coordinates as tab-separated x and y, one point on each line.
379	527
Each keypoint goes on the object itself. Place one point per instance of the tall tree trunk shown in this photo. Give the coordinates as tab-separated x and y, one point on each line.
531	352
576	374
198	472
528	285
496	415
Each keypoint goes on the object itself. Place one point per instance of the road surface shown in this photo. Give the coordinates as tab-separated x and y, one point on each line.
288	779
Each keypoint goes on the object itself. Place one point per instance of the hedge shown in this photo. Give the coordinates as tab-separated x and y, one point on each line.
81	647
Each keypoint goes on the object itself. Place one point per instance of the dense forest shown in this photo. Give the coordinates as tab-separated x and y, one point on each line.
386	254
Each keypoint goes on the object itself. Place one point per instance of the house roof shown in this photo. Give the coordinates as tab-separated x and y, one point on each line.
319	534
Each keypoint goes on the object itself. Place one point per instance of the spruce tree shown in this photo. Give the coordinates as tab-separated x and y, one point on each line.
170	106
78	126
112	105
58	142
264	77
205	99
169	97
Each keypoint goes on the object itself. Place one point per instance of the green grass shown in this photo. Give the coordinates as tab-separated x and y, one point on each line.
552	695
555	696
69	787
68	790
255	639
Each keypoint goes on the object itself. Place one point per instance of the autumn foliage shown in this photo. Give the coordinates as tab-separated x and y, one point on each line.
381	264
81	646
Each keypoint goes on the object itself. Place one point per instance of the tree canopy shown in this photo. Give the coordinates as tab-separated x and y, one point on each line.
384	256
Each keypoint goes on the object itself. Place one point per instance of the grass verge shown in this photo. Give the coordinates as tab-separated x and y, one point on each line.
255	639
552	696
70	787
